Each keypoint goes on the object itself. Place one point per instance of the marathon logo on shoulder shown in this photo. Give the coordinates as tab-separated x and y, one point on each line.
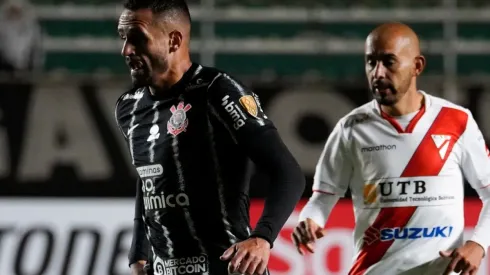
150	170
234	111
412	191
412	233
187	265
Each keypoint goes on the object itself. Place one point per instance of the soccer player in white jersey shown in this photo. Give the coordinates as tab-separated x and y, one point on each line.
403	156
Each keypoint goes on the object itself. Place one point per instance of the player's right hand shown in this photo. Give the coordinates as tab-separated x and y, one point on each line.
138	268
305	235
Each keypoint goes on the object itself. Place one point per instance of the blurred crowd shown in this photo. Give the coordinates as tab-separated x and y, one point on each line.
20	38
304	3
21	35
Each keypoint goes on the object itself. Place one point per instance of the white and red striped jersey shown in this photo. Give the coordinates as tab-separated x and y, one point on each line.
406	183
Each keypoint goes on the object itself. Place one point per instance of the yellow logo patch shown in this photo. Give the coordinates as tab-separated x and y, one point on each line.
248	102
370	194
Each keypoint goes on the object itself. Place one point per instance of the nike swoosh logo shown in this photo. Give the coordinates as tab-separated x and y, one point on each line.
132	128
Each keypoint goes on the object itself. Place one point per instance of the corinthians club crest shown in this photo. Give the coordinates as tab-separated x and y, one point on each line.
178	121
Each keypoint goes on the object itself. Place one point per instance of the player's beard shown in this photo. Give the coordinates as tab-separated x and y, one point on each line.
141	78
150	75
387	96
390	94
140	81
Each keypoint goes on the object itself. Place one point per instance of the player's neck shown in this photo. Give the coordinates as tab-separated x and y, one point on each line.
173	75
411	102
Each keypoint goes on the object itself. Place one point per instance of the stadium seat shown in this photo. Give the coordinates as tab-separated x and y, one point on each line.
325	63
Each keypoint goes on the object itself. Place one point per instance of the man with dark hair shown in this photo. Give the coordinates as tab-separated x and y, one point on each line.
192	131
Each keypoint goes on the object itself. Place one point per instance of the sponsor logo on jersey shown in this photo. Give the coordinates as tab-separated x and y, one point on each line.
384	190
259	106
187	265
394	192
412	233
178	122
137	95
378	148
234	111
370	193
163	201
198	84
154	133
150	170
155	201
248	103
356	119
442	143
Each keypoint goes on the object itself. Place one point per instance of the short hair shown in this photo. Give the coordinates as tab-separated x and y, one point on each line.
171	8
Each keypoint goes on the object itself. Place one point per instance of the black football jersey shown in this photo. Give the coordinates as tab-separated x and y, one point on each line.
193	172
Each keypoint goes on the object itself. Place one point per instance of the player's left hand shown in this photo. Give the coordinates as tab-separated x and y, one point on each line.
465	259
248	257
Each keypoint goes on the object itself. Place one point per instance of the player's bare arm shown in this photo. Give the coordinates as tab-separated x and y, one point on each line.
312	220
305	235
255	134
465	259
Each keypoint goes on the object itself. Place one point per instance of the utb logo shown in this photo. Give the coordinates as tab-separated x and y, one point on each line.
370	193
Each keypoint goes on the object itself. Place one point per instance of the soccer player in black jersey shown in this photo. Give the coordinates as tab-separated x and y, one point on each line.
192	131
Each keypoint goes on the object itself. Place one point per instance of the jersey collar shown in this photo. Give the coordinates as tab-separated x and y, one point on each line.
413	122
179	87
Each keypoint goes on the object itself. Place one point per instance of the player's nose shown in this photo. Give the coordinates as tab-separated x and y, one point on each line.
379	71
127	49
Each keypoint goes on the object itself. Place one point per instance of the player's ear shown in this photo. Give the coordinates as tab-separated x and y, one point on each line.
175	40
419	65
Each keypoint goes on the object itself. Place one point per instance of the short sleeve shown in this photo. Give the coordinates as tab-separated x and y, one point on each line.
237	108
476	159
334	169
